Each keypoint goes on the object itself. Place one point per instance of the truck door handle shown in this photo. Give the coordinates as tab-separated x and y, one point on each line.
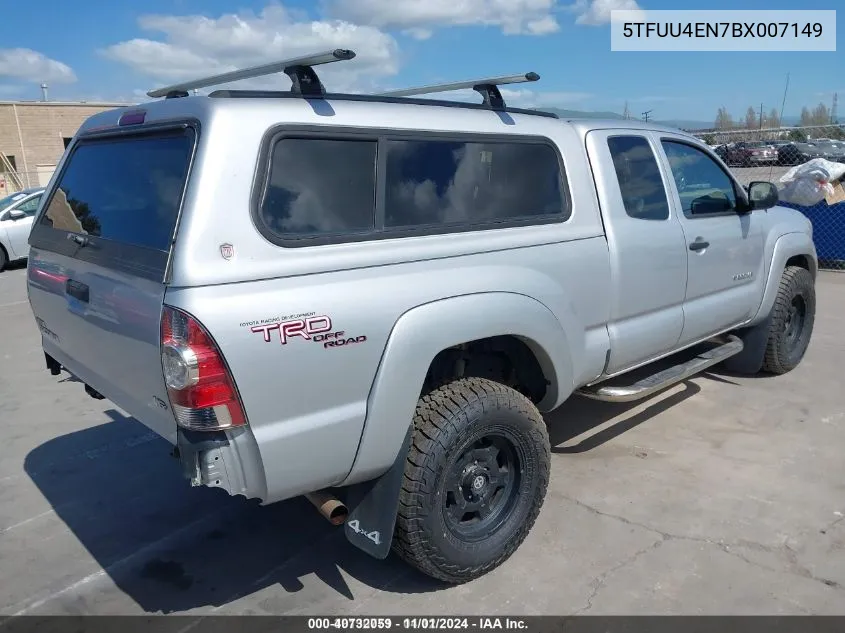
698	245
77	290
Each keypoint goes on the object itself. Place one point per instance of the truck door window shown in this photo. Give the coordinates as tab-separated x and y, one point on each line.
640	182
703	186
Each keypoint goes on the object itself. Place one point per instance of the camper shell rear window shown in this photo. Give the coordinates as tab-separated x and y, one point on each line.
126	188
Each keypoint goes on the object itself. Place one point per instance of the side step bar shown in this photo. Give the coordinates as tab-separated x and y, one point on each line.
661	380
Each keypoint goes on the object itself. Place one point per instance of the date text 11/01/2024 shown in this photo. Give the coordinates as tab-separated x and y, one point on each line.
414	623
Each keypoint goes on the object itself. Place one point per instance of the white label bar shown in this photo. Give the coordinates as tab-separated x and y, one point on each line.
720	31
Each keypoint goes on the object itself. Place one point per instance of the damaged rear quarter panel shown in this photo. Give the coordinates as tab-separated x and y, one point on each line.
305	393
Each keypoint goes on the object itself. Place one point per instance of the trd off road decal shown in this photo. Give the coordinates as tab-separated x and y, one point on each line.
317	329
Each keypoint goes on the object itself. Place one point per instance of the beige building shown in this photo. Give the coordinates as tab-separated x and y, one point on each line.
33	137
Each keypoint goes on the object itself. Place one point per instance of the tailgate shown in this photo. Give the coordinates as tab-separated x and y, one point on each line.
99	254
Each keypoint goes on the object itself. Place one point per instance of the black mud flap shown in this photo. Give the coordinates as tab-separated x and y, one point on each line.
750	360
373	506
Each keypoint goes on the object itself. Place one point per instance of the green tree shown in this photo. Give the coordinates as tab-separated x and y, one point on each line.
797	136
838	133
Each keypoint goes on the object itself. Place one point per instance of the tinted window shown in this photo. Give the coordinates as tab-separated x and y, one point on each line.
704	187
640	183
11	199
30	206
448	182
123	189
320	186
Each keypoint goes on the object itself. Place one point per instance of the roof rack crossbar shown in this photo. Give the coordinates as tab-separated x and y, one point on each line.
304	80
487	88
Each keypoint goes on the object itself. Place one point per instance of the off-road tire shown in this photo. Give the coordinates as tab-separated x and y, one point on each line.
447	421
785	348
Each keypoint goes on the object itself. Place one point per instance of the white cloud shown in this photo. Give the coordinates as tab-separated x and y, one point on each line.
418	33
525	98
532	17
598	12
196	45
30	65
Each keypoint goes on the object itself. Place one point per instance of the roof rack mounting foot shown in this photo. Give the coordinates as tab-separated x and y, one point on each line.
492	96
304	81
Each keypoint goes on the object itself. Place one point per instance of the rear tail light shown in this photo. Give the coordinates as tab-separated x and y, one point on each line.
199	384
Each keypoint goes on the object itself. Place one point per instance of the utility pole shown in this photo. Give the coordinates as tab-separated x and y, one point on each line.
627	113
761	116
834	119
645	115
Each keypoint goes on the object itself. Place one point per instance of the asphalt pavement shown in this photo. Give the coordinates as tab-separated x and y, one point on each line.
723	495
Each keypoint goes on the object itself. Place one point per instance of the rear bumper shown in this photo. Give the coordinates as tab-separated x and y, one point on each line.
221	459
153	413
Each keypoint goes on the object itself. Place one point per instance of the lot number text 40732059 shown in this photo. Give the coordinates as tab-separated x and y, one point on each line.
418	623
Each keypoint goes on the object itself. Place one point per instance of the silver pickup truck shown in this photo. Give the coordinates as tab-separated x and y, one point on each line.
371	300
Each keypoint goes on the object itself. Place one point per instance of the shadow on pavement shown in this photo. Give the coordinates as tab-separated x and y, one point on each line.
18	264
578	416
173	548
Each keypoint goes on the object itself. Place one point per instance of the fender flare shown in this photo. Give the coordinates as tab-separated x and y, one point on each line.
787	246
423	332
755	334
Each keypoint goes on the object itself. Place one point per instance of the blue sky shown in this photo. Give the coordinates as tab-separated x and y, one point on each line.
107	50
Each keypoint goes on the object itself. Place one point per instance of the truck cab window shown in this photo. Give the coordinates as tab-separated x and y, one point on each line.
703	186
640	182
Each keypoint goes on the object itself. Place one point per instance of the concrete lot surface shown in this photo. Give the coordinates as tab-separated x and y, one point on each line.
723	495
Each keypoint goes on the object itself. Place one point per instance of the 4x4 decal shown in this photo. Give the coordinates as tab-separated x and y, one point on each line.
314	328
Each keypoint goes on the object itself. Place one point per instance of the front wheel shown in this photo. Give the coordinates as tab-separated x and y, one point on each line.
793	317
474	482
4	260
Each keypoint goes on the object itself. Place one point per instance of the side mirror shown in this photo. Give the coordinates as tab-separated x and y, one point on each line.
16	215
762	195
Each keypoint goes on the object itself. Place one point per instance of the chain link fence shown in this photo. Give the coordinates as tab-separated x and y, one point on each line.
771	154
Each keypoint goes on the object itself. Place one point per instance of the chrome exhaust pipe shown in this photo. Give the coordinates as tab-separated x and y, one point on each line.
332	508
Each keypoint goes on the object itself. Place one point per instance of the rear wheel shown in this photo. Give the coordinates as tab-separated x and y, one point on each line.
793	317
474	482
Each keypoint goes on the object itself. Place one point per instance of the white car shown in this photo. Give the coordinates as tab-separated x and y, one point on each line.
16	213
